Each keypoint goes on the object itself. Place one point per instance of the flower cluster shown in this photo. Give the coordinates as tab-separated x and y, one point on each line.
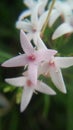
37	58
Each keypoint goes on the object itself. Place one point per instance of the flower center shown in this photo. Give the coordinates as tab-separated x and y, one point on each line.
31	57
29	83
34	30
51	63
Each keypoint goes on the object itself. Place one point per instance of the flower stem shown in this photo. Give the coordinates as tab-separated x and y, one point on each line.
48	16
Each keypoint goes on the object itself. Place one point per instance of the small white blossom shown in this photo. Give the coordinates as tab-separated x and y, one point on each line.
62	9
32	58
53	69
34	26
64	28
29	89
33	3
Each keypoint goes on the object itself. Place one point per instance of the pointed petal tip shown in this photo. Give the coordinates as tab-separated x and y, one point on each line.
4	64
53	93
54	37
21	32
54	52
6	80
63	29
21	109
64	91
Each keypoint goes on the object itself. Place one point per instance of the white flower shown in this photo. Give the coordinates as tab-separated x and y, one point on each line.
66	27
53	68
32	58
33	28
29	89
33	3
62	9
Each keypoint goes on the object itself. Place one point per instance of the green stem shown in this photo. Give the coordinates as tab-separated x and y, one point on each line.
48	16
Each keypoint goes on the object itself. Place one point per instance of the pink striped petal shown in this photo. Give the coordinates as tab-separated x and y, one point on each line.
32	73
26	97
44	88
17	61
25	43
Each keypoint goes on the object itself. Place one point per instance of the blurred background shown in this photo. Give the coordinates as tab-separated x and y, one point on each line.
44	112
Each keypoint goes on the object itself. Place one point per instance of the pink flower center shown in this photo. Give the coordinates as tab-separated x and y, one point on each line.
31	57
29	83
34	30
51	63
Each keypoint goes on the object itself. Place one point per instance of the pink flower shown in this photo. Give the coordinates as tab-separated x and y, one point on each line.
53	69
29	89
32	58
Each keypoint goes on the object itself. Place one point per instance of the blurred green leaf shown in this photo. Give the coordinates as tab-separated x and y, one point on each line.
4	56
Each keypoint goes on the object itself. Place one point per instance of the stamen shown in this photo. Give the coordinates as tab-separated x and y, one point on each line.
32	57
29	83
51	62
34	30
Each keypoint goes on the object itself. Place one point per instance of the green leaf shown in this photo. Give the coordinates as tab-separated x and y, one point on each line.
4	56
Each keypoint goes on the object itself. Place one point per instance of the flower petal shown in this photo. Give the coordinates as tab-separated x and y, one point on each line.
42	20
56	77
40	43
44	88
24	14
61	30
43	68
20	60
42	6
64	62
19	82
26	26
30	35
35	37
32	73
53	17
25	43
30	3
45	54
26	97
34	15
